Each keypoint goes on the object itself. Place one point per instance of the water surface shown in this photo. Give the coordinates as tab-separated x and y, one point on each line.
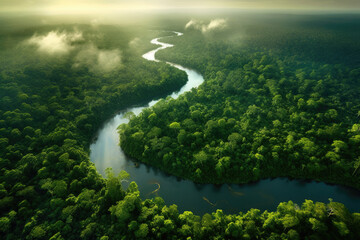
205	198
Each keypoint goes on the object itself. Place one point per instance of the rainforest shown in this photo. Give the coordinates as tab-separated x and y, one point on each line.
156	121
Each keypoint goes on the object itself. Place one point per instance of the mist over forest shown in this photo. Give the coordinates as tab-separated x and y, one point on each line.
95	145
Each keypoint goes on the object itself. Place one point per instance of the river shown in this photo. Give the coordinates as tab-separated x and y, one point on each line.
205	198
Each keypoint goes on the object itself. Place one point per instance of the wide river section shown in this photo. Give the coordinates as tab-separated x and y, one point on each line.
205	198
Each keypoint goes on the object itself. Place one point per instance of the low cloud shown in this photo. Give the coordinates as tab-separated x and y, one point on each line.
55	42
86	54
213	25
134	43
97	60
95	23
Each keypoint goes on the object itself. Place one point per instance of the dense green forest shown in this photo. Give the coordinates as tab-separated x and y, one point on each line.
263	111
52	103
277	101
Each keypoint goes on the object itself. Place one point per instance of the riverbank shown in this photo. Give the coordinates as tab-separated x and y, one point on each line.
223	133
263	194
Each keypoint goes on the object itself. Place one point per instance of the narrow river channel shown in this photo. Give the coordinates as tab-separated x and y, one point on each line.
205	198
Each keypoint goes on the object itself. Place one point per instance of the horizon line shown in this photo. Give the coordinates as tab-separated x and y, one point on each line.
114	9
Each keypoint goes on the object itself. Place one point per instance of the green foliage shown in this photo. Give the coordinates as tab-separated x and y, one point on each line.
143	231
127	207
4	224
50	110
37	233
256	106
261	112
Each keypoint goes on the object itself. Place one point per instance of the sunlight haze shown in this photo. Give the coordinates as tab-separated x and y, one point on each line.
89	6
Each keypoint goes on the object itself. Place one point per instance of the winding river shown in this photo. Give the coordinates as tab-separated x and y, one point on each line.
205	198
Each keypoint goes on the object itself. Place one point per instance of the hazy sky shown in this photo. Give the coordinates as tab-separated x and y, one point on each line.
112	5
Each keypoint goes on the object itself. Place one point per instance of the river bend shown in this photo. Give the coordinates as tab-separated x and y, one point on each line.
205	198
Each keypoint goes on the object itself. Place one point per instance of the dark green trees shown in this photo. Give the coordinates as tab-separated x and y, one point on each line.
268	115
